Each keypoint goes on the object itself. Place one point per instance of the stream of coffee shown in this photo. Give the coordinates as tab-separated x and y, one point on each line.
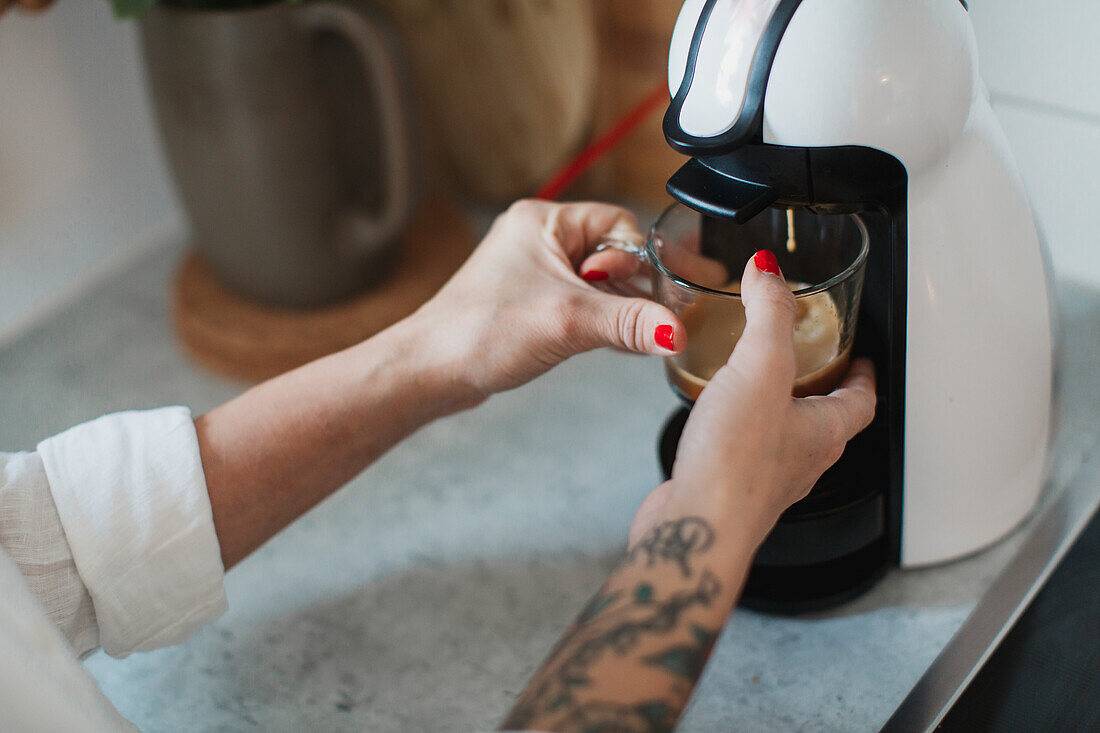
792	245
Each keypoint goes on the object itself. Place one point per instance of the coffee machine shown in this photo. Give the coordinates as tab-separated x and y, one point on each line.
875	108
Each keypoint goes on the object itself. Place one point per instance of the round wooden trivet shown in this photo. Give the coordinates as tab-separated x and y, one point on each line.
246	340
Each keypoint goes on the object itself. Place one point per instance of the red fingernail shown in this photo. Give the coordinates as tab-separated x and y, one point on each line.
595	276
663	337
765	262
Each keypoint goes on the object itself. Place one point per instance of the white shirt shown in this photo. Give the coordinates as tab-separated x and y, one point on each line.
106	539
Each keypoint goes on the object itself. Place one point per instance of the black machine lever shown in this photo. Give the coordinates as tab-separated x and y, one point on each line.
717	195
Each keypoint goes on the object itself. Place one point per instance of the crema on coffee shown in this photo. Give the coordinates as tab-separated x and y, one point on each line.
714	327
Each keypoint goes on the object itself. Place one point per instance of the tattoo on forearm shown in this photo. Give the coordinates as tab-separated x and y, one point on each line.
686	660
615	623
675	541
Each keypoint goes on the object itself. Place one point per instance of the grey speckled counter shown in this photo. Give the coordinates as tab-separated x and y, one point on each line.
423	595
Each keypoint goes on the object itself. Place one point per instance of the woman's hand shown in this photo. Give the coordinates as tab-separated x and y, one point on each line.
518	306
635	653
750	449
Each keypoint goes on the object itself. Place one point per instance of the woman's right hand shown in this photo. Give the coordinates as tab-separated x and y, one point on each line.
750	449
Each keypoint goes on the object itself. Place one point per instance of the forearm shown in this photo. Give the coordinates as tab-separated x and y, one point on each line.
632	658
280	448
512	312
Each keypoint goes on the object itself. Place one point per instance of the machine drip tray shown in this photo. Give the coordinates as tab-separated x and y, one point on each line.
805	588
826	549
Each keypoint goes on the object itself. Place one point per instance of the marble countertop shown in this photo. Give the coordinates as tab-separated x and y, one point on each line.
422	596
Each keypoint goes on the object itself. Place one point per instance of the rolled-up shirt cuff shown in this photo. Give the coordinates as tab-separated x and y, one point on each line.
131	495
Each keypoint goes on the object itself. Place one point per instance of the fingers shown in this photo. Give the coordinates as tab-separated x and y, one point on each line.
611	264
696	268
579	228
838	417
683	261
854	400
632	324
596	222
767	345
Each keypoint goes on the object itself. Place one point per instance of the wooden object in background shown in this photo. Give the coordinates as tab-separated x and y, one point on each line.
634	36
245	340
506	87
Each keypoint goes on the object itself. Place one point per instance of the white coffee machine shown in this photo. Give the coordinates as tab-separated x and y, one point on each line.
875	107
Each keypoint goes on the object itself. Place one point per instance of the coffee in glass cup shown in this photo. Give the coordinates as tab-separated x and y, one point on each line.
825	270
714	328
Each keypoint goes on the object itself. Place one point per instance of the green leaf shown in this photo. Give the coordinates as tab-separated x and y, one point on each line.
131	8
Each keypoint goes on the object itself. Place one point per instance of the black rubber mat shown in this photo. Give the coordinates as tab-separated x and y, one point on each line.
1045	675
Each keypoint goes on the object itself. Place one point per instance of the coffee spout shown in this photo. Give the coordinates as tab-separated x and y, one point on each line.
717	195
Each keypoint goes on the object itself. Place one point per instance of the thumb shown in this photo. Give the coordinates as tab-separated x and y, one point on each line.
632	324
768	341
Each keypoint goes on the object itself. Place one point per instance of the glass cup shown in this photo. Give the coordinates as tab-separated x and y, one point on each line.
695	264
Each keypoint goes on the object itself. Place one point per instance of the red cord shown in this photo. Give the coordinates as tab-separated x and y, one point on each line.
603	144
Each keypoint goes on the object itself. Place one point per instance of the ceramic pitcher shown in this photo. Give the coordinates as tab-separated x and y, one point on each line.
289	133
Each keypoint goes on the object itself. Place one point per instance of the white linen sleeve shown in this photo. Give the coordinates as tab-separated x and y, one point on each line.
131	495
31	533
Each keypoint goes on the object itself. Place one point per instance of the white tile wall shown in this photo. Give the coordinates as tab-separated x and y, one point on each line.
1060	161
1042	51
1041	61
82	180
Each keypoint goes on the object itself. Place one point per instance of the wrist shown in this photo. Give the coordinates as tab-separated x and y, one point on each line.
414	356
744	513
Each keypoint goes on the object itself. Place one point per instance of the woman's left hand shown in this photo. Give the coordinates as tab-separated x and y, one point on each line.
518	306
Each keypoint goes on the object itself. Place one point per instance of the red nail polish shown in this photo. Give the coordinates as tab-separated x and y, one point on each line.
595	276
765	262
663	337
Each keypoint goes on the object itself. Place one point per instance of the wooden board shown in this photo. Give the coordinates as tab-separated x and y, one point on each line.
245	340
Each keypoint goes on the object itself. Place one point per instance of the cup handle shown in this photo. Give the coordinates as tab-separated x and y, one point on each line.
380	59
638	286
